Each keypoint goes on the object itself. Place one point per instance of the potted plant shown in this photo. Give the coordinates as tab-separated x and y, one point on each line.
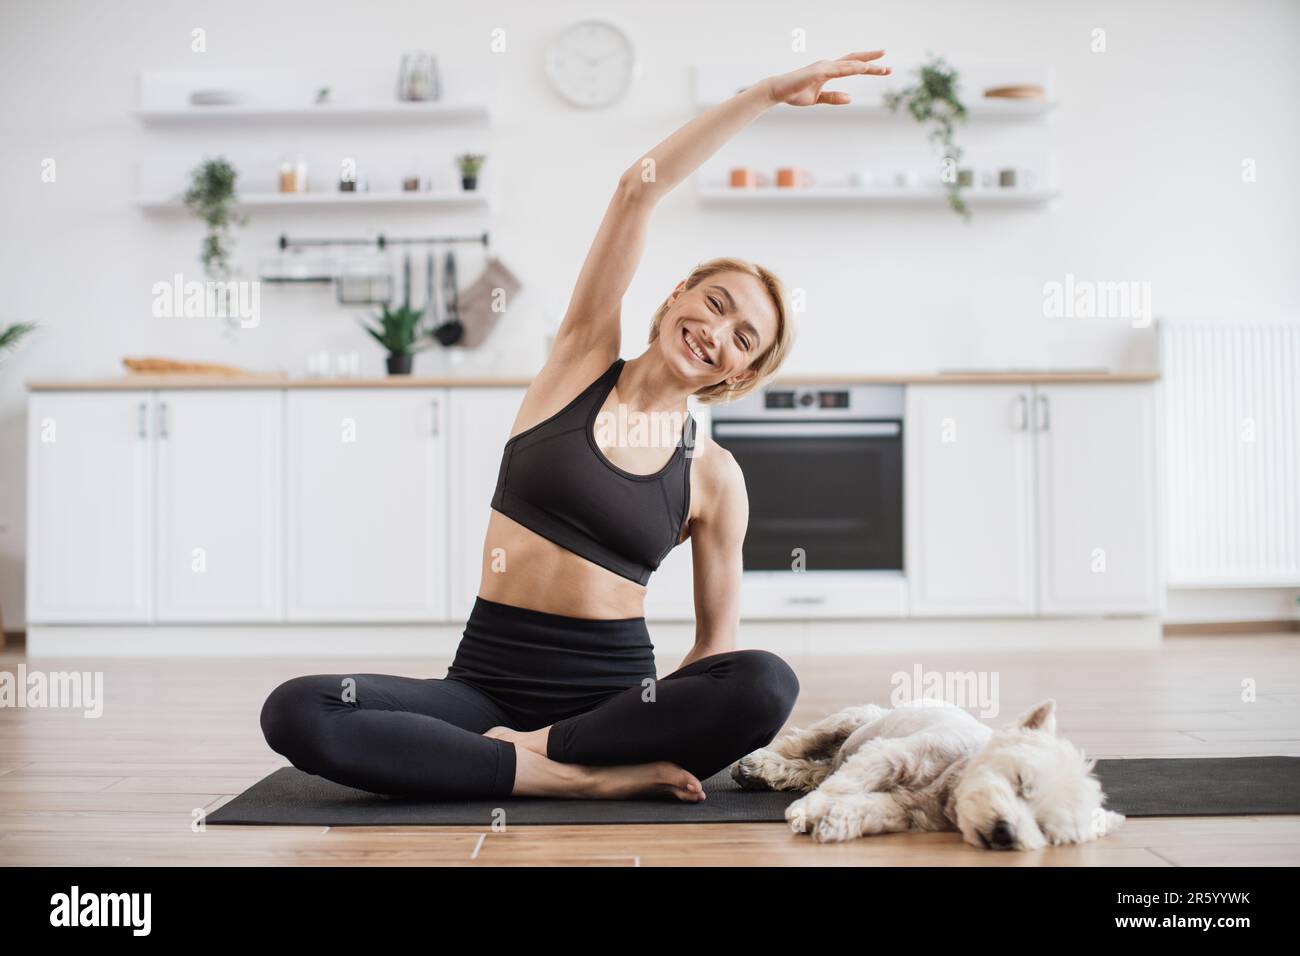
935	100
211	197
470	164
11	335
398	331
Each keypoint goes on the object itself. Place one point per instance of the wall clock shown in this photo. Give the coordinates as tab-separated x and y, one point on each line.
592	63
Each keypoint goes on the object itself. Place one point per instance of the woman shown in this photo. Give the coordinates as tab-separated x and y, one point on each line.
553	690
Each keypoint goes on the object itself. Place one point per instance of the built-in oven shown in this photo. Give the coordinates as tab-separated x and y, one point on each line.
823	468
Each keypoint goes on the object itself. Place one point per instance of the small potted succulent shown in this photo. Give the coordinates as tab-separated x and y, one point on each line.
470	164
398	331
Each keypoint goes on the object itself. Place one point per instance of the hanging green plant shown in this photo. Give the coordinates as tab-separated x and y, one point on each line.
935	99
211	197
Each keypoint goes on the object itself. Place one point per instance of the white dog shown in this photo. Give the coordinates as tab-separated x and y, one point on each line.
929	765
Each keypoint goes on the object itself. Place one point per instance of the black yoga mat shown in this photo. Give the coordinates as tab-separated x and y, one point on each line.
1155	787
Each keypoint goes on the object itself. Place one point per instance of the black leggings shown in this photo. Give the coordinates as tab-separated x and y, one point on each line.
593	681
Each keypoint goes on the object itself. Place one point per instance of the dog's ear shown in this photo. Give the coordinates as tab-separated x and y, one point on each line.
1040	717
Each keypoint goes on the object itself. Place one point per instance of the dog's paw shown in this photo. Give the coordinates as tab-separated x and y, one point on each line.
804	813
836	825
748	772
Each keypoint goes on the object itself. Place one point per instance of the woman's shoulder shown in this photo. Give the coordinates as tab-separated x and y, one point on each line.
717	480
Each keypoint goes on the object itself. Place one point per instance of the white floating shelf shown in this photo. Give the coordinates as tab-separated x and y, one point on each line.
873	109
842	194
362	199
435	112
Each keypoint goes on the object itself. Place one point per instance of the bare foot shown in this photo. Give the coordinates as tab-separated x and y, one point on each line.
536	775
534	740
662	777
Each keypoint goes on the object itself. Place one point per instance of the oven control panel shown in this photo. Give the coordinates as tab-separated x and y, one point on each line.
806	398
856	401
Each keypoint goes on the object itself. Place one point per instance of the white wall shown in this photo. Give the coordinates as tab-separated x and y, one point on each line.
1149	142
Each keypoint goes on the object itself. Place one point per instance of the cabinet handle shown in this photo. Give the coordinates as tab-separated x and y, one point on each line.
162	419
1044	414
433	428
142	420
1022	413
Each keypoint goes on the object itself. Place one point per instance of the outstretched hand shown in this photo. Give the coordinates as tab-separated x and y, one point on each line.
804	87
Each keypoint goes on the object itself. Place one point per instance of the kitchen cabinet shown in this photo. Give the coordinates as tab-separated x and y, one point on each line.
969	500
363	503
481	419
219	499
1097	513
1026	500
90	470
367	501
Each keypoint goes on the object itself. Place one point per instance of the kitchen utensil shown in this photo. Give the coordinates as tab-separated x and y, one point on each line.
451	331
406	280
432	310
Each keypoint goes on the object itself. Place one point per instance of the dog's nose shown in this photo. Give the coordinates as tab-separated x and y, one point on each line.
1002	837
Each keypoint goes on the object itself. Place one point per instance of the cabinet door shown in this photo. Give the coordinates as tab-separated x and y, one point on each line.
969	500
219	497
366	504
90	498
1097	509
480	420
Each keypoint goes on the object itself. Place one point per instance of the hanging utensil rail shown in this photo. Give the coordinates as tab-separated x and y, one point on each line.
382	241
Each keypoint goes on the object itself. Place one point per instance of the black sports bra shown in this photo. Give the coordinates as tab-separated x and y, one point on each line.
555	481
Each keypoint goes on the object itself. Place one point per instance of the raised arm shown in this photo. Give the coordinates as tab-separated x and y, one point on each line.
592	323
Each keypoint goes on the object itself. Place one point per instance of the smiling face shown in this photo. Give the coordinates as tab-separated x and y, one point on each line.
716	330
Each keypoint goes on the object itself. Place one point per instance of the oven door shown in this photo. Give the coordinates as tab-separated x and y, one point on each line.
827	492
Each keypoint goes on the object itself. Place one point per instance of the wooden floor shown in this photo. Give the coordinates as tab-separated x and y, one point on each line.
176	737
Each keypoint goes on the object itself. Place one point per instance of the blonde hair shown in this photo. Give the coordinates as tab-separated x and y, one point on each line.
771	358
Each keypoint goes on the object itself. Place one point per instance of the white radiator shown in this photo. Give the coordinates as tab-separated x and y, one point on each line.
1232	448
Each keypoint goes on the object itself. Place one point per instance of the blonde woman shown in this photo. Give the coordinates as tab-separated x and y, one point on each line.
553	690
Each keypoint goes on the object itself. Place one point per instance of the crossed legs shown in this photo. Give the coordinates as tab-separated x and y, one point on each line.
701	717
443	738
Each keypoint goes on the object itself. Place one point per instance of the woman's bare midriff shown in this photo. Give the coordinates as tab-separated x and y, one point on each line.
522	568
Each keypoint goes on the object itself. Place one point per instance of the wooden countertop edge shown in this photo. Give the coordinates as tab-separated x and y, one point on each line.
181	381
